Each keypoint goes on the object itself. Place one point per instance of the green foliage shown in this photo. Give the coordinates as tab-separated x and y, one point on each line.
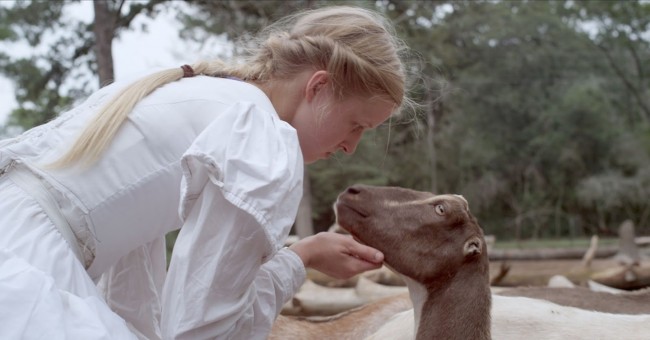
38	78
532	114
30	20
48	80
6	31
38	94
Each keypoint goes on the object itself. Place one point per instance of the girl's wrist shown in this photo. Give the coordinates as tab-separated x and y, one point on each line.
301	251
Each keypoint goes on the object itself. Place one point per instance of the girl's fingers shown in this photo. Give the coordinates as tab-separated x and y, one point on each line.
366	253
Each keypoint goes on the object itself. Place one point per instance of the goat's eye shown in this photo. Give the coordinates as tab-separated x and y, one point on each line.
440	209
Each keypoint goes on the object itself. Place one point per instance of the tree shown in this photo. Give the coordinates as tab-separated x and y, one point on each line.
67	47
620	34
104	30
37	86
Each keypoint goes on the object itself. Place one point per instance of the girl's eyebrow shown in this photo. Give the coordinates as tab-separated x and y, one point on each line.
368	125
361	123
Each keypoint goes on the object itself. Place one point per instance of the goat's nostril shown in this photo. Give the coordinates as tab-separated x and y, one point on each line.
353	190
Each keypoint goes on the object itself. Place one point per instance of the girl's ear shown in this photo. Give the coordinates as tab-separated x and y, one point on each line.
316	83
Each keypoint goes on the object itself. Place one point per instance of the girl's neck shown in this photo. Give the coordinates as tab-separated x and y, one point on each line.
285	95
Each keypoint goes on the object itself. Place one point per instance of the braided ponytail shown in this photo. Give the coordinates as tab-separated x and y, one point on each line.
98	134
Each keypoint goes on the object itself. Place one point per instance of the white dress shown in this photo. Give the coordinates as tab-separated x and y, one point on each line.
207	155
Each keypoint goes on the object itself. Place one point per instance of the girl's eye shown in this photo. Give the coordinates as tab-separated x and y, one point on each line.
357	128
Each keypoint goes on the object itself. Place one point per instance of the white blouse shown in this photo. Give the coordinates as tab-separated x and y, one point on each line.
206	154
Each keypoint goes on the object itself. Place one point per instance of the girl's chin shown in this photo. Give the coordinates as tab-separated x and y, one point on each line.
309	160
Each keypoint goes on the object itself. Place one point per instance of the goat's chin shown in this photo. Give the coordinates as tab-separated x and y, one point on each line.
348	229
354	235
358	240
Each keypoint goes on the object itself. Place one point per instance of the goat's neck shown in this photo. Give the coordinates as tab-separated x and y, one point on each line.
419	295
459	309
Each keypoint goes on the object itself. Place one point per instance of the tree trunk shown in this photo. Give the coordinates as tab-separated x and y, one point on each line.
304	223
628	252
104	29
433	104
628	277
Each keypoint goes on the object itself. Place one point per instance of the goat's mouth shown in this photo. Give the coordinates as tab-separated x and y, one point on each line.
343	205
347	216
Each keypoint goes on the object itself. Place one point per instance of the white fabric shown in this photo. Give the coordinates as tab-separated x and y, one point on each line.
214	298
133	287
32	303
249	166
29	183
212	150
32	307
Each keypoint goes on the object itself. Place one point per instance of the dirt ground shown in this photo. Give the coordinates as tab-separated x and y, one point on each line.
538	273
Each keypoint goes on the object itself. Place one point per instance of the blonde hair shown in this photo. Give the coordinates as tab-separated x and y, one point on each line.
357	47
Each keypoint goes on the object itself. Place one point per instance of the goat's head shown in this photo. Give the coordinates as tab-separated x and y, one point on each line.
427	237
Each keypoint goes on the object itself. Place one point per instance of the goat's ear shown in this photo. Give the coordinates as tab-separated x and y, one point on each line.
472	246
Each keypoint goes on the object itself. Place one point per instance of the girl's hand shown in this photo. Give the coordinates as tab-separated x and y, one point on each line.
337	255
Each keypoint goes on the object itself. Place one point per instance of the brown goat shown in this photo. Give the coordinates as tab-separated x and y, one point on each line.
435	243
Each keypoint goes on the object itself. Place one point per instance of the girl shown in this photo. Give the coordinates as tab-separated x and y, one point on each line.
214	149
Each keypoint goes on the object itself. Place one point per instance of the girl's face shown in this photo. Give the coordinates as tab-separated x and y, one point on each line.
325	126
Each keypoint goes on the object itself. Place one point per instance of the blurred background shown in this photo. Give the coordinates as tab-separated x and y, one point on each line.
538	112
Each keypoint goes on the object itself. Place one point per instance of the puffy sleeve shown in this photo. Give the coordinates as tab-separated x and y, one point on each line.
255	159
242	182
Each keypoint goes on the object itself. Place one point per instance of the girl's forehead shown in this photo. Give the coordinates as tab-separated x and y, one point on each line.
371	112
